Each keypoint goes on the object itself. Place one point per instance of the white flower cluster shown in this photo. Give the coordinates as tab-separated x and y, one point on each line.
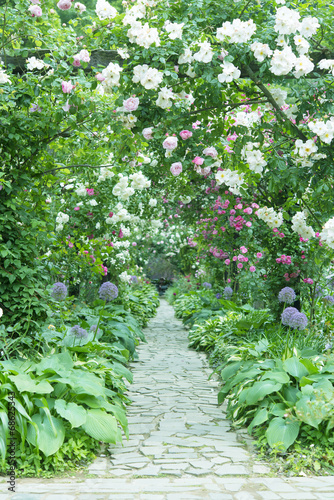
174	30
327	64
81	190
247	119
237	32
287	23
327	233
268	215
122	189
128	120
111	75
283	61
61	219
152	202
253	157
104	10
300	227
33	63
126	232
139	181
261	51
230	72
186	57
105	173
156	223
232	179
325	130
205	53
125	277
4	78
301	43
150	78
164	98
304	149
143	35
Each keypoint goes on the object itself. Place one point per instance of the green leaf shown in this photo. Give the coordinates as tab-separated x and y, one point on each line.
59	363
261	389
260	417
49	438
282	433
311	368
25	383
72	412
281	377
102	426
295	367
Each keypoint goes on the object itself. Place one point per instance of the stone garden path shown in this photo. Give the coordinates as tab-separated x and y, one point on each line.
180	445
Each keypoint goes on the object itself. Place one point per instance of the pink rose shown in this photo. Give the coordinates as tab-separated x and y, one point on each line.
76	208
64	4
90	192
176	168
252	269
84	55
232	211
134	244
35	11
240	266
211	151
76	61
248	210
185	134
227	262
248	224
259	255
198	160
243	250
170	143
99	77
67	87
229	280
131	104
147	133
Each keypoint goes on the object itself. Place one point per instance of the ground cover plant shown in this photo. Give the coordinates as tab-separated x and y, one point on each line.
190	138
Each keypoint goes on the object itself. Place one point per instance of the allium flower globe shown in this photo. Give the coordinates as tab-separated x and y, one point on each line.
108	291
59	291
228	292
207	285
79	332
328	299
287	295
298	321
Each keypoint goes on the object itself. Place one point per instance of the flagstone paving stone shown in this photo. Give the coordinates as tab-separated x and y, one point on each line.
181	446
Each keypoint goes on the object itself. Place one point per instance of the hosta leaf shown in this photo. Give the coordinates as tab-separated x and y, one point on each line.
102	426
72	412
295	367
49	437
260	417
261	389
25	383
282	433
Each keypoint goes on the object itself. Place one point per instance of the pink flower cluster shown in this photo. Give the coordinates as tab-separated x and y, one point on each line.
284	259
82	56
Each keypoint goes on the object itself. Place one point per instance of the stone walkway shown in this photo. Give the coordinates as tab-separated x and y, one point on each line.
180	445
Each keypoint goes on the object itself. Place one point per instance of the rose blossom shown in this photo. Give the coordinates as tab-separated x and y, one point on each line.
240	266
252	269
147	133
64	4
131	104
76	61
198	160
259	255
35	11
176	168
67	87
170	143
185	134
227	262
243	249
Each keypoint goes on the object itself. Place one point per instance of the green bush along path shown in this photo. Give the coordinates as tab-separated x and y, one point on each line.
181	446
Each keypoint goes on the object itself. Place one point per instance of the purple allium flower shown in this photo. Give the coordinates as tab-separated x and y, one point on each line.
134	279
328	346
79	332
228	292
318	291
207	285
93	329
218	295
287	315
328	299
59	291
287	295
298	321
108	291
